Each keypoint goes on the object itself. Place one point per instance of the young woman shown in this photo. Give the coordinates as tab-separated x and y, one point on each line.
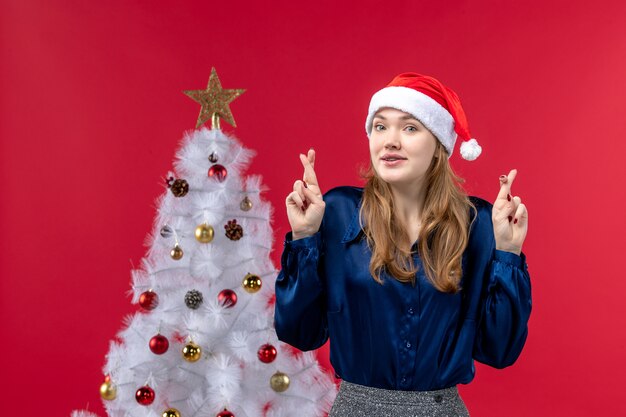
410	278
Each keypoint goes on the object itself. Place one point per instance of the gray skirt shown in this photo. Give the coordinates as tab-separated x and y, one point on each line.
357	400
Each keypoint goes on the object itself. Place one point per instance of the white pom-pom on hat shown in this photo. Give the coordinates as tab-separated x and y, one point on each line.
470	149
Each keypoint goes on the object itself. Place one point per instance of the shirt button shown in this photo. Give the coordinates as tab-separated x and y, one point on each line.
410	310
403	380
408	344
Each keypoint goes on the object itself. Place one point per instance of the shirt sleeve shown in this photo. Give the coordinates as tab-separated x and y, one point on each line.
503	327
299	311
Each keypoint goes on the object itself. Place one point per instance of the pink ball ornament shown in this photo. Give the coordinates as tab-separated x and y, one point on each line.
267	353
148	300
159	344
227	298
218	172
145	395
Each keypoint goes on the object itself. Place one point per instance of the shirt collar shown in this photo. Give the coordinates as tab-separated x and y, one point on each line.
354	228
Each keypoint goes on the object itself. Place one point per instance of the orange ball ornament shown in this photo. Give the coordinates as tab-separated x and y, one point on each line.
279	382
171	412
108	391
252	283
192	352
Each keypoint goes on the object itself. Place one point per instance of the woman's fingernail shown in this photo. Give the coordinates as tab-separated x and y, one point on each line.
508	197
515	222
510	218
503	179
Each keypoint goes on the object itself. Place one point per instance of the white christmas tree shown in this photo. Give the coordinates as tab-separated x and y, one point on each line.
202	343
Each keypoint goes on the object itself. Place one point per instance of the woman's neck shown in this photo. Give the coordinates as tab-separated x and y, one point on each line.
408	204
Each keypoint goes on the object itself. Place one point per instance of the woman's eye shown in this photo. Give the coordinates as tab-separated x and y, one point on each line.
411	128
379	127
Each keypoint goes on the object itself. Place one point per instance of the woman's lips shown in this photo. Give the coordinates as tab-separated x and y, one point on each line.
391	163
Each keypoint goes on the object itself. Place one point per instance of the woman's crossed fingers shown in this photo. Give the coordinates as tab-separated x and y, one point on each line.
510	217
309	177
305	204
307	190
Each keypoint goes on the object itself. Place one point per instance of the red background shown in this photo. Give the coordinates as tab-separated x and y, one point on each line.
92	111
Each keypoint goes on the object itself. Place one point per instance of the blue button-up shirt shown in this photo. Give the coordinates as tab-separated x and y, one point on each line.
396	335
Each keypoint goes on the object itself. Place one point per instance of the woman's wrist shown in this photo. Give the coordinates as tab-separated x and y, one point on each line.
298	236
516	251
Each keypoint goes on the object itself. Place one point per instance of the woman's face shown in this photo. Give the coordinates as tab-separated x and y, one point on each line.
398	135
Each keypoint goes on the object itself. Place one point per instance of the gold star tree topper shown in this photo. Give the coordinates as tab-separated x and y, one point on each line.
214	101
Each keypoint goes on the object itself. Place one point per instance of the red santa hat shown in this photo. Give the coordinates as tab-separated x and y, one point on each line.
436	106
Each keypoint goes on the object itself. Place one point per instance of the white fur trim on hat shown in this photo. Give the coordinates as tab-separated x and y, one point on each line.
430	113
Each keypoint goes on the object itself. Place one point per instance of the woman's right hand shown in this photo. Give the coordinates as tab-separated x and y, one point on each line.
305	205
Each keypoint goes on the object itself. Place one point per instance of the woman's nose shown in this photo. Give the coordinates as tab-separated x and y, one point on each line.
392	139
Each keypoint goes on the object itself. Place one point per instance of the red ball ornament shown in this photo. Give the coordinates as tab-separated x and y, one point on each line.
145	395
159	344
218	172
225	413
227	298
148	300
267	353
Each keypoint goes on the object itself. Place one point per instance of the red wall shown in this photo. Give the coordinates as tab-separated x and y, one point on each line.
92	110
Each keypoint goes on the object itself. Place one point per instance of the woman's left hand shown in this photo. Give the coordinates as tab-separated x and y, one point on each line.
509	216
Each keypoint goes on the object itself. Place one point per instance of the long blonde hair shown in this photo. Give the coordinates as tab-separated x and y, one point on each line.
442	238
